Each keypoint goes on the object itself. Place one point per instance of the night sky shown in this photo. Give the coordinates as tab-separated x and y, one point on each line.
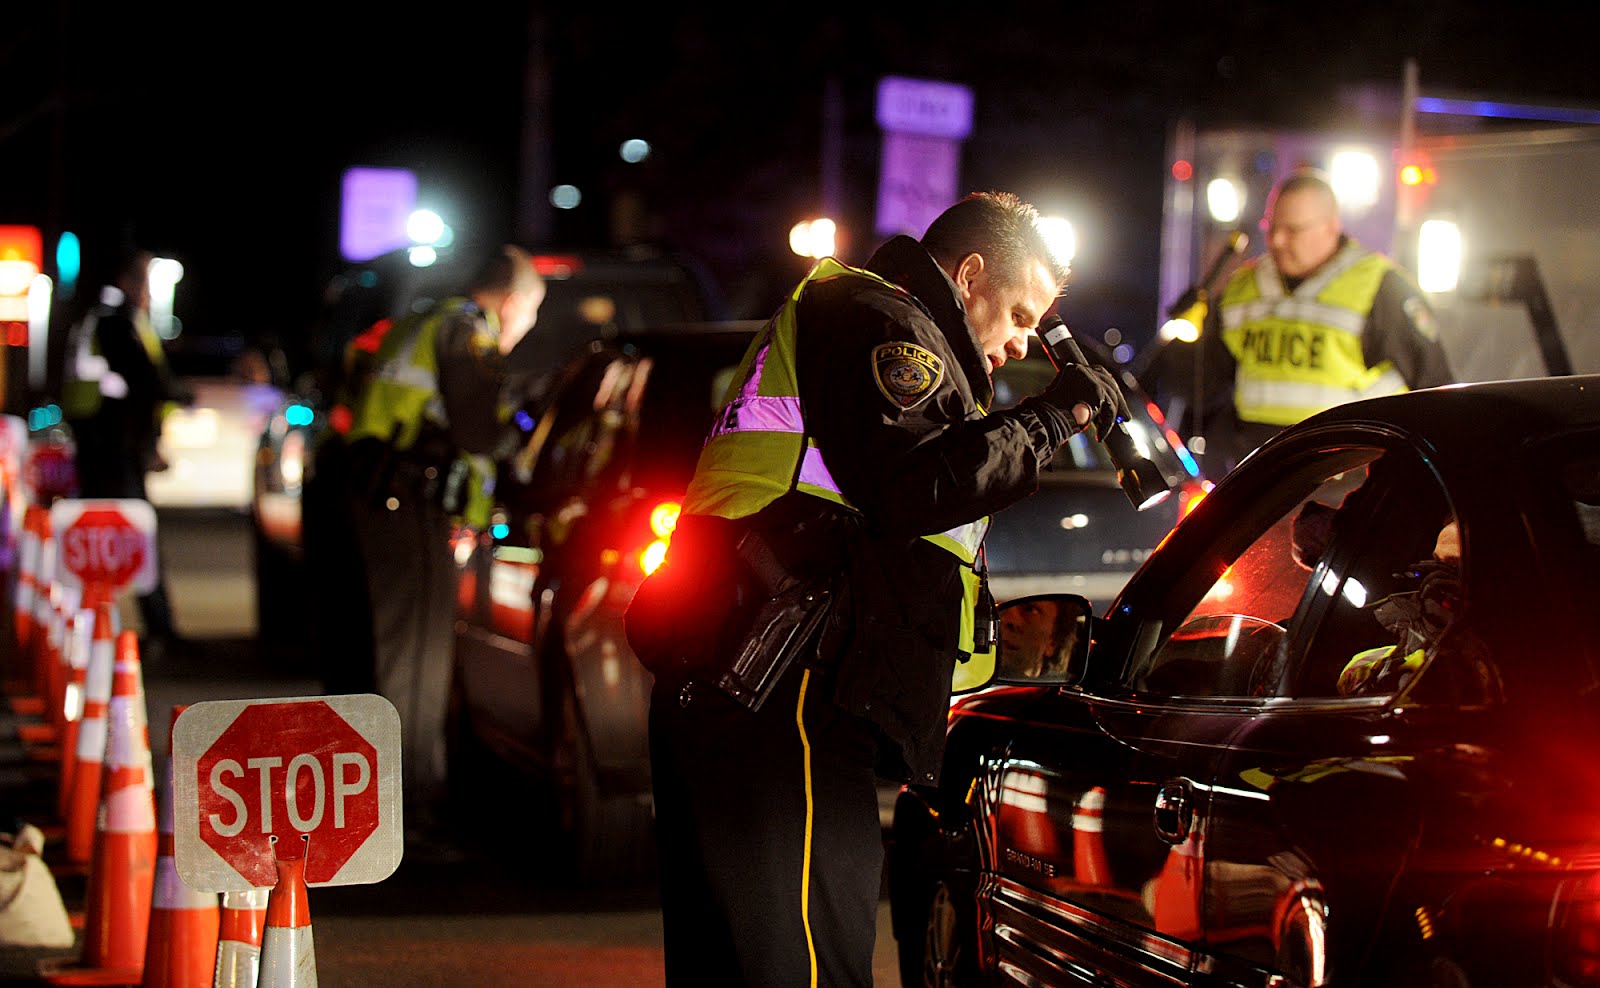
218	134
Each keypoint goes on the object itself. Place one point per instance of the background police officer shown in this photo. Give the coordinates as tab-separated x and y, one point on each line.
1316	321
117	386
436	398
852	469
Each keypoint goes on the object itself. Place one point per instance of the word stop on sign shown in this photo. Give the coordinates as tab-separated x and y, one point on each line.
247	773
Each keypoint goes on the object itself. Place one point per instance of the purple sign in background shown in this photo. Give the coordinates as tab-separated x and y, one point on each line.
374	204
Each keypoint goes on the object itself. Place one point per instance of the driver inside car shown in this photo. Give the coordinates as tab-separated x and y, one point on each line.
1416	618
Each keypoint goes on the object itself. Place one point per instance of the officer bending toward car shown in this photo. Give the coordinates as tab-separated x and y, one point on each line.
825	579
418	454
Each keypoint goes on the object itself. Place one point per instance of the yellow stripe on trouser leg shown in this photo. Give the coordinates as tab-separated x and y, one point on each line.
805	868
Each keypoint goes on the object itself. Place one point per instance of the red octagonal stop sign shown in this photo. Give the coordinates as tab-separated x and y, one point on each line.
109	542
248	773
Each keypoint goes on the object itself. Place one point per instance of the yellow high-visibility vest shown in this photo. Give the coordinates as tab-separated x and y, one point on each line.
1300	352
759	448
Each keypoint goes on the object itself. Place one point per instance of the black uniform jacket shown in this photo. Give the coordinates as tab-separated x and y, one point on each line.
911	471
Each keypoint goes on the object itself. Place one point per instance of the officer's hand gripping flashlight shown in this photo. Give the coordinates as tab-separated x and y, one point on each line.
1141	480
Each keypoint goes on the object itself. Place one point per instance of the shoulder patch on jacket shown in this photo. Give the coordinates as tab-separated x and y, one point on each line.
906	373
1421	317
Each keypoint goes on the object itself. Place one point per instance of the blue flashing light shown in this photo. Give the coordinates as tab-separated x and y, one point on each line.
1188	460
1515	111
298	415
524	421
44	417
500	530
69	261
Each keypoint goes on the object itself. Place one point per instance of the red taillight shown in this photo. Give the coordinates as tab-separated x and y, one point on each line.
663	522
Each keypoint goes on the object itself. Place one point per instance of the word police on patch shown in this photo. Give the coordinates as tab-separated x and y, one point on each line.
906	373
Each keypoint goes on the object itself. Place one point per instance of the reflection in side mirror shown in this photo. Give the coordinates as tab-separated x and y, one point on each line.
1043	639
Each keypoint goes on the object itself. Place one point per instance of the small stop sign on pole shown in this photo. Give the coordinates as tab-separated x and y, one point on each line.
110	542
246	772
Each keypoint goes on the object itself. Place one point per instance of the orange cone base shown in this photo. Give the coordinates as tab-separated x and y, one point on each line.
183	948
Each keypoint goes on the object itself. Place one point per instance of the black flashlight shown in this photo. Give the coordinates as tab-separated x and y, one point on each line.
1140	478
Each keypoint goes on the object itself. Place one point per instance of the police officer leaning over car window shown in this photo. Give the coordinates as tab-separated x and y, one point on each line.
431	415
840	503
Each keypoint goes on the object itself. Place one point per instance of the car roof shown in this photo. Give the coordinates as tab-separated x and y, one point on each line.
1461	421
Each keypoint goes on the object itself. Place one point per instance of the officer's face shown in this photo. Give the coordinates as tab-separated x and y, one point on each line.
1001	313
1302	232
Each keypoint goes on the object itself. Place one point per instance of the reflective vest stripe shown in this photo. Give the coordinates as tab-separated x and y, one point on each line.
1286	397
1294	310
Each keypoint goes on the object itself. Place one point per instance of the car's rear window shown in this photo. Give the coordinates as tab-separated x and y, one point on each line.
685	389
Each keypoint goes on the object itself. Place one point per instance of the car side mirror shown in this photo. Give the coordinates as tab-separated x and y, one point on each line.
1043	638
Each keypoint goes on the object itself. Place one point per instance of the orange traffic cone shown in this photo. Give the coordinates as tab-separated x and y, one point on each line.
182	949
64	601
244	917
1178	888
80	642
122	878
84	799
1089	862
288	958
44	586
26	590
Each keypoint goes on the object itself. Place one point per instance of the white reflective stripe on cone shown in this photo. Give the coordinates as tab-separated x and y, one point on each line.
288	959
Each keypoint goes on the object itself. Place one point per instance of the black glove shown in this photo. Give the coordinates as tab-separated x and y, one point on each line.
1094	386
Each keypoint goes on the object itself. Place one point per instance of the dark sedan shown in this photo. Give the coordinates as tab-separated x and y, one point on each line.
545	678
1341	728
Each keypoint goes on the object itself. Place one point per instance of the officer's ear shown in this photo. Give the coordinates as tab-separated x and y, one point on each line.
970	270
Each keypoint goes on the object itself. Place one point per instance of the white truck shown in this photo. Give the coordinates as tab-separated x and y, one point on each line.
1491	204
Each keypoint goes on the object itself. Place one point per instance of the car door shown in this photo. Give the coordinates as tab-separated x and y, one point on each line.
1317	802
1175	677
509	570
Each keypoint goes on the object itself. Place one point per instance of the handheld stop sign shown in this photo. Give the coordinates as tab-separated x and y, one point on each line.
109	542
247	773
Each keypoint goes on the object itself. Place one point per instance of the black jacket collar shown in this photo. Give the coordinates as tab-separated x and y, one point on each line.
904	261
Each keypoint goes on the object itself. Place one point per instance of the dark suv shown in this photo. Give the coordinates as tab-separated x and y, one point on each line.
544	676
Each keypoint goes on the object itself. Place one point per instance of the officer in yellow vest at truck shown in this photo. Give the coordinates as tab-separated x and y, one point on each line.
1316	321
826	579
425	428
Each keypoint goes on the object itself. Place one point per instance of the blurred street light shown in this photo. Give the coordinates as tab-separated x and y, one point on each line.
1354	176
813	238
1224	199
565	197
164	273
634	150
1061	237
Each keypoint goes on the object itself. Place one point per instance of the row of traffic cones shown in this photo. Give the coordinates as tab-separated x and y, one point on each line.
82	696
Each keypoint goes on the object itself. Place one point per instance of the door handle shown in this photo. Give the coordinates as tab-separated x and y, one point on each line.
1174	810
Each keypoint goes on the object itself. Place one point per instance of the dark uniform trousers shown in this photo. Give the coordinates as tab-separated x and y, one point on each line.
404	538
769	836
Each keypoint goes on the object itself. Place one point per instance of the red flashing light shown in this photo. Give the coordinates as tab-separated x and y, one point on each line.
1182	170
22	243
663	522
557	265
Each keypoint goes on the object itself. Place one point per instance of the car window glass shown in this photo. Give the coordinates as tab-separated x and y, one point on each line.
1385	588
1233	636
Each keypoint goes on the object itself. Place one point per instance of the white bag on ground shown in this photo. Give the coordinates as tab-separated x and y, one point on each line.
31	911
